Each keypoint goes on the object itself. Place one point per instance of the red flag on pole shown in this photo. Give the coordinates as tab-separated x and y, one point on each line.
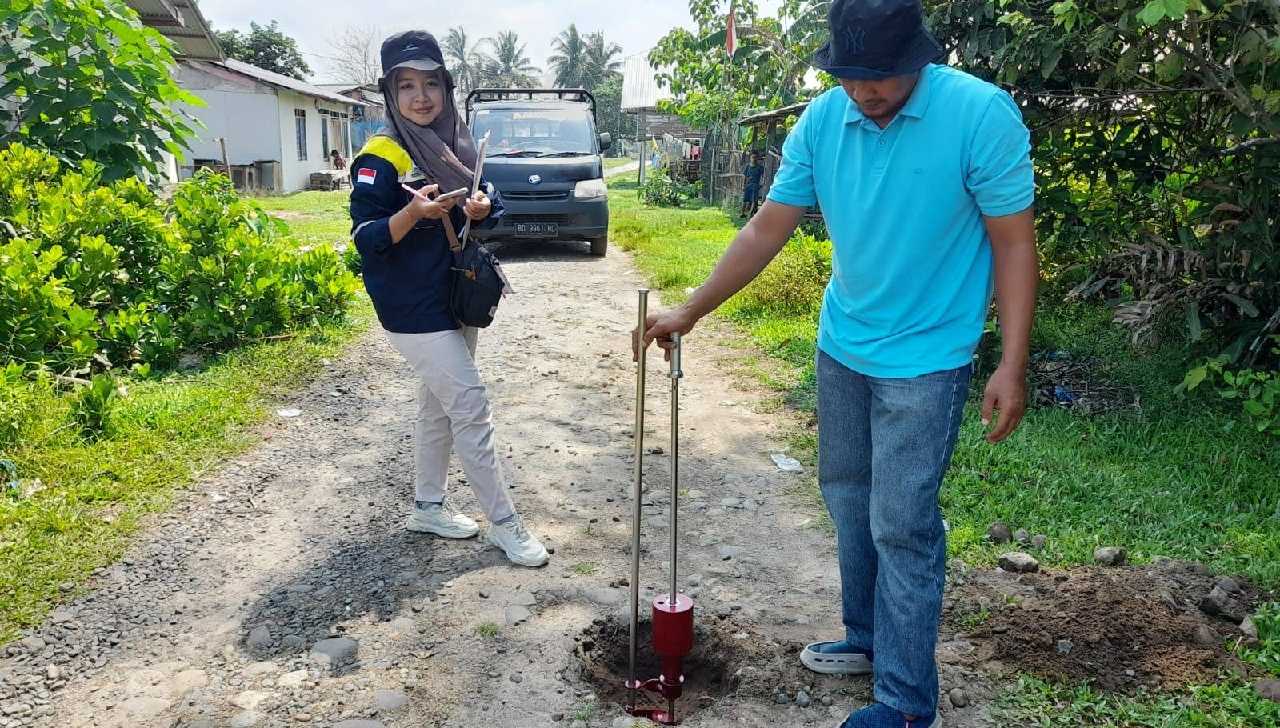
731	33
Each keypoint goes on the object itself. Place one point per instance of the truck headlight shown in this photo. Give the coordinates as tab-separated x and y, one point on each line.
591	189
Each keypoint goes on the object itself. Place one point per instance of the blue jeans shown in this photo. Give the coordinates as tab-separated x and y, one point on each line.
883	447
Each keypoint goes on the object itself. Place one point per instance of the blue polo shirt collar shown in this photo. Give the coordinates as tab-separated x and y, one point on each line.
914	108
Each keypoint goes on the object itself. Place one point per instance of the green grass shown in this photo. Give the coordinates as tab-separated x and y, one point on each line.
330	204
972	620
1033	702
487	630
1265	655
618	162
585	568
585	712
164	432
1166	481
314	218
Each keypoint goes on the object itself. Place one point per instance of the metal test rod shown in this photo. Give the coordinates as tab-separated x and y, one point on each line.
676	375
639	478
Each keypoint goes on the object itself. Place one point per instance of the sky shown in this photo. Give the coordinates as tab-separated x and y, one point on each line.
314	23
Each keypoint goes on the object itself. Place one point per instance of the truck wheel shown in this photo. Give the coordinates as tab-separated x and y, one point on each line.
599	246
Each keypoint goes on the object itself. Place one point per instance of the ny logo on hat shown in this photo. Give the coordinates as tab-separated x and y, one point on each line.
854	38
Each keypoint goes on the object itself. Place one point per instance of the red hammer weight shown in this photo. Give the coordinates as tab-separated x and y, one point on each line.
673	611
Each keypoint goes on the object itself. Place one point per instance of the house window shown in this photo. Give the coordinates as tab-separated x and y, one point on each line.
324	134
300	129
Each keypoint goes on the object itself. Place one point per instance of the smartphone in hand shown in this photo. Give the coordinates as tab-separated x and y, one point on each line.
460	192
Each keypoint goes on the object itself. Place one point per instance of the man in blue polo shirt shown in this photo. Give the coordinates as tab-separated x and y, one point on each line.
924	177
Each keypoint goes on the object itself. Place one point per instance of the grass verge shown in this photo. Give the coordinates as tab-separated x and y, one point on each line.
165	432
1033	702
314	218
78	501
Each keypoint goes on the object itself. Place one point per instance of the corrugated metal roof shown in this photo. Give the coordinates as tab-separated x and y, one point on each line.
368	94
182	23
640	90
286	82
782	113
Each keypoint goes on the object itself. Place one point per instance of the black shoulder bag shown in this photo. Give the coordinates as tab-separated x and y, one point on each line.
476	281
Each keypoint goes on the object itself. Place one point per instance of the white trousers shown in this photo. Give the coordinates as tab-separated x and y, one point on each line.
453	411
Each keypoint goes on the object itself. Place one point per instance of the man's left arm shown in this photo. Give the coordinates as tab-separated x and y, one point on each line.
1013	244
1002	182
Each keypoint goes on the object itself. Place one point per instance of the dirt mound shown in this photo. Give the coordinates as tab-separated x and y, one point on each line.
1119	628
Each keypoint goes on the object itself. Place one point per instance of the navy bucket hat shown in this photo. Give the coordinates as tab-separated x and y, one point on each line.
876	39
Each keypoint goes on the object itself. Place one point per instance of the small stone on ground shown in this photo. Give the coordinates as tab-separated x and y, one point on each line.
1019	563
999	533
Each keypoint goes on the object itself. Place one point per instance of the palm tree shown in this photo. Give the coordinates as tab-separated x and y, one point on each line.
508	66
602	61
463	58
569	61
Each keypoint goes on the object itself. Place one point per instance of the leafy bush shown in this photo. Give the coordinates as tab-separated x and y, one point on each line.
793	284
1157	150
95	276
23	400
84	79
659	190
351	257
1258	392
91	408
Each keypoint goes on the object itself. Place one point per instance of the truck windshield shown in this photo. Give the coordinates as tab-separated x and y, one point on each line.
535	132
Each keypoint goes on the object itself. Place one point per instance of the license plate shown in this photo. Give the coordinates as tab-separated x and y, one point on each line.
537	229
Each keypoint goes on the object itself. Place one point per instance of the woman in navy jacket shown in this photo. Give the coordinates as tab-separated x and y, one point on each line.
403	234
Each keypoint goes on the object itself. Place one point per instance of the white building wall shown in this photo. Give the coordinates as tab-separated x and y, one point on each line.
296	173
244	119
236	108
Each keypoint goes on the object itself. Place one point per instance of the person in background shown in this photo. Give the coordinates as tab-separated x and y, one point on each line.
924	177
404	235
338	161
753	177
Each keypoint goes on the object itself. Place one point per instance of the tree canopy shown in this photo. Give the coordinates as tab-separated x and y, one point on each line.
87	81
1154	128
266	47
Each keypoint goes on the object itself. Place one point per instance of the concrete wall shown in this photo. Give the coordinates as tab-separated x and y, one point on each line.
257	121
244	119
236	108
295	173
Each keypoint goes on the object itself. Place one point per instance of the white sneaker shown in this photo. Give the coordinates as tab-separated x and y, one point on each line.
835	658
442	519
521	547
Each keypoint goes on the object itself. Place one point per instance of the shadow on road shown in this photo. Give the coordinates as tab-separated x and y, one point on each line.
378	579
542	251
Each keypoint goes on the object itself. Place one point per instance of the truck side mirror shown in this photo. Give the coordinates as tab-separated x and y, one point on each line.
606	141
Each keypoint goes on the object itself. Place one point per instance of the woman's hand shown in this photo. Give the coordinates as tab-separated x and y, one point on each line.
422	207
478	207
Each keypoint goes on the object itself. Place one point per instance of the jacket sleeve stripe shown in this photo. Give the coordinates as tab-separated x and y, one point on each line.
387	148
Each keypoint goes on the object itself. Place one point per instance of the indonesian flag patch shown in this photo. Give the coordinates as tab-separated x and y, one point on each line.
366	176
